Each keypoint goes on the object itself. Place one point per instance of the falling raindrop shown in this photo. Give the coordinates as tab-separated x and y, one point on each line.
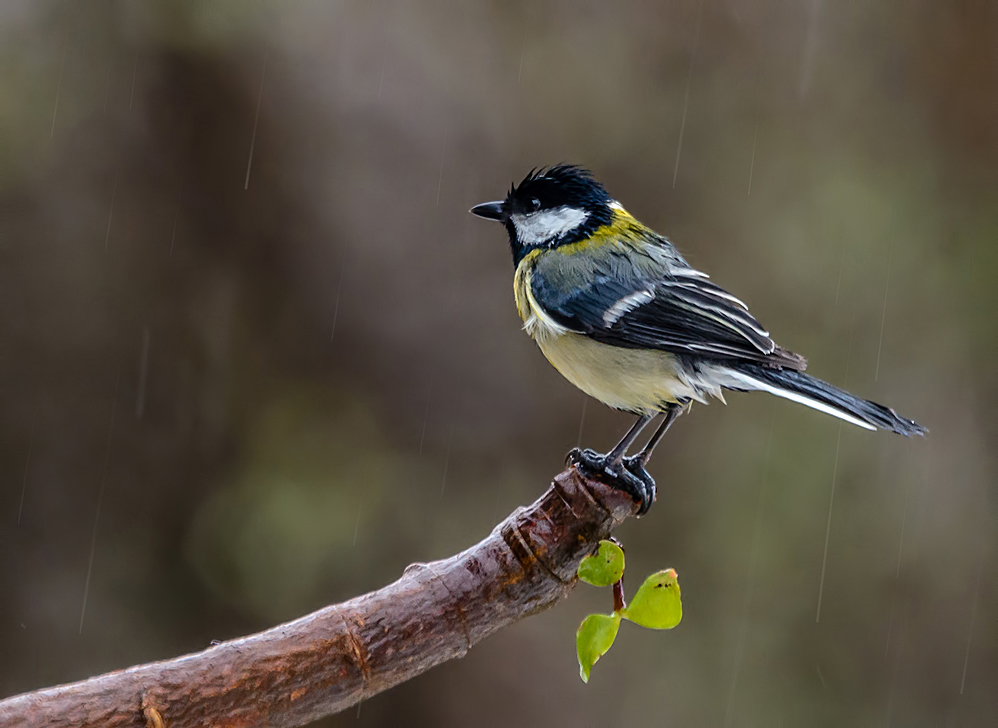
384	60
753	562
100	500
27	466
336	306
381	83
831	498
582	420
114	192
686	97
58	87
973	615
755	138
440	176
810	44
107	84
135	72
256	120
883	313
62	63
140	400
828	526
890	628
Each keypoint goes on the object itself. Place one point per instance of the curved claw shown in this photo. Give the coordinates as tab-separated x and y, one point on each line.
636	467
627	475
579	457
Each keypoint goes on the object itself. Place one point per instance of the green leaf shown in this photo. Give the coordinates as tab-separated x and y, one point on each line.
605	567
657	604
594	637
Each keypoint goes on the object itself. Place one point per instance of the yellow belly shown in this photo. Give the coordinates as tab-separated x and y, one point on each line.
636	380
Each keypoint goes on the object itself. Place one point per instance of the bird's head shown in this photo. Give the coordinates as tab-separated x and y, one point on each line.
550	207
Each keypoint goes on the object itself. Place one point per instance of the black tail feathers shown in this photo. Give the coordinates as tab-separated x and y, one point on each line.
823	396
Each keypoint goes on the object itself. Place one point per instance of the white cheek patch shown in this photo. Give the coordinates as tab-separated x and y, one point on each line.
541	227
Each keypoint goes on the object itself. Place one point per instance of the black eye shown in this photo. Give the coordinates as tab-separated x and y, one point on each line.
533	205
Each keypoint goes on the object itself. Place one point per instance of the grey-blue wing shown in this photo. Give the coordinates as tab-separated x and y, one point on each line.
617	299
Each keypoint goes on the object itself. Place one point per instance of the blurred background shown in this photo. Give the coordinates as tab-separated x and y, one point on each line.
256	357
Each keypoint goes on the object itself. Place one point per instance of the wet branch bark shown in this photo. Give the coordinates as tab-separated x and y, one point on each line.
331	659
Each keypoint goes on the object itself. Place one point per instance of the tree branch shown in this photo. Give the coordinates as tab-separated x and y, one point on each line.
331	659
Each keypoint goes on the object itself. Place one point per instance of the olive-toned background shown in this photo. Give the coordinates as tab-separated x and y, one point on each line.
233	393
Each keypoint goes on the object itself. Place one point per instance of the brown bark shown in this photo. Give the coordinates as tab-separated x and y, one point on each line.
333	658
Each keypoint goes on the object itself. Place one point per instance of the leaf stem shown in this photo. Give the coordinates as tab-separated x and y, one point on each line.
618	596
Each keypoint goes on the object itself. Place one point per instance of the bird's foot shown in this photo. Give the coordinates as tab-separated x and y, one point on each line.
636	467
628	475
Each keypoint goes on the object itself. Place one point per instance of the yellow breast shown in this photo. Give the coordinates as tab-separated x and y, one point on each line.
636	380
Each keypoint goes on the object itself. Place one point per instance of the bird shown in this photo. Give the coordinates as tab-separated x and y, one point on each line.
619	312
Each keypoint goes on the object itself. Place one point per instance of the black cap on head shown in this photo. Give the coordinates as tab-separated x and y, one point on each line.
550	207
563	185
557	186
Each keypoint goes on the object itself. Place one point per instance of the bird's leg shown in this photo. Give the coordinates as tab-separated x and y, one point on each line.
611	468
670	416
635	465
620	449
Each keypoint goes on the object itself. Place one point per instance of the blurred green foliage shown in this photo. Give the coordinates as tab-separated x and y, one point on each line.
291	516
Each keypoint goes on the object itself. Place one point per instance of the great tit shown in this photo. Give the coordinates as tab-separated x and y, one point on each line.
619	312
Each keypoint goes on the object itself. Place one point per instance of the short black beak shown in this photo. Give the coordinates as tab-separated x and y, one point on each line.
489	210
